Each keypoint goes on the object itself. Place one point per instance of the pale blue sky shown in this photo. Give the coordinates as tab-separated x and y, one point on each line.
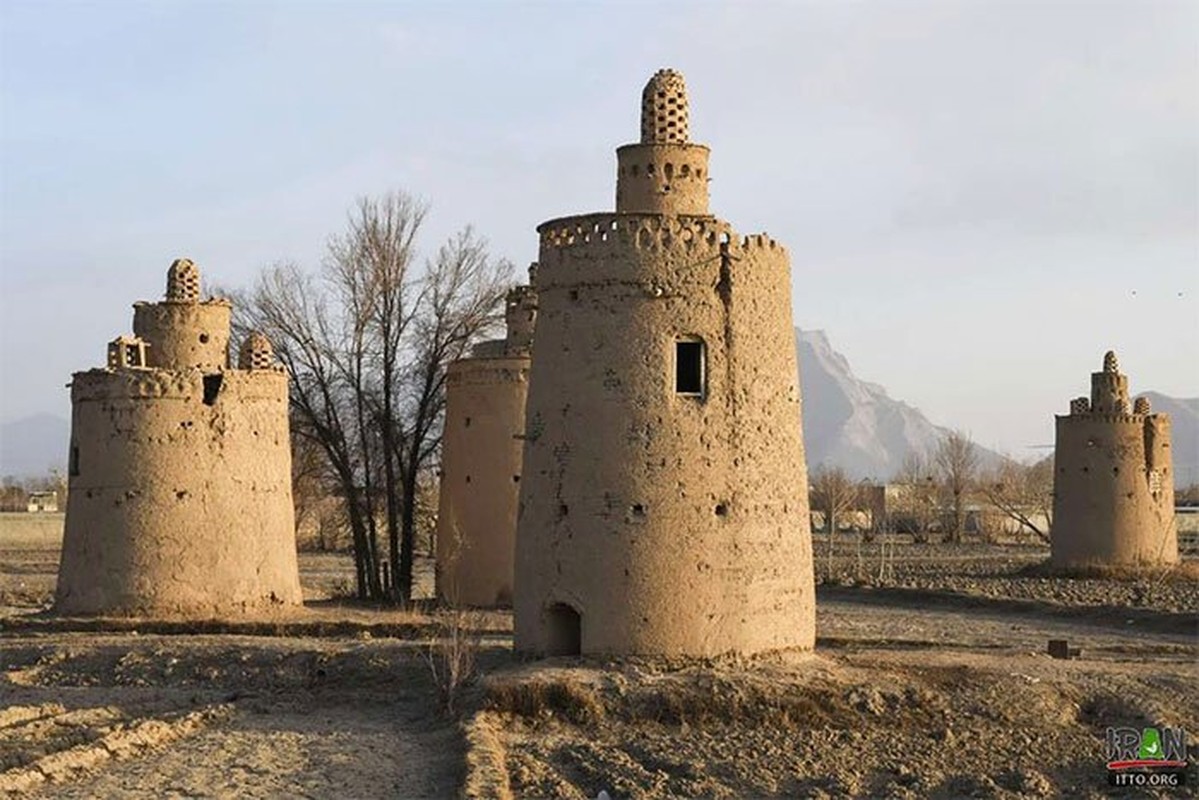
979	198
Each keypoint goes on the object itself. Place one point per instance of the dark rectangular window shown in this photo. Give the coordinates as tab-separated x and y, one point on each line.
689	367
212	388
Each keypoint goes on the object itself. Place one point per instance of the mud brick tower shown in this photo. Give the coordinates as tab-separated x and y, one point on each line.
1113	486
664	504
481	462
180	470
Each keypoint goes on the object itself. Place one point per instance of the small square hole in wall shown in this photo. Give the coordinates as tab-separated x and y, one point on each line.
689	367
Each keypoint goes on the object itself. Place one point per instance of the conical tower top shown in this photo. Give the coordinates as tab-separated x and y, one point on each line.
664	111
183	281
1110	364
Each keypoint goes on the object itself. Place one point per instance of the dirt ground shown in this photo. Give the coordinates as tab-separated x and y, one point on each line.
929	681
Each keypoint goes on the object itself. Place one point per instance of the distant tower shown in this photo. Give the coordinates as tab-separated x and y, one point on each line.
481	462
664	504
180	470
1113	489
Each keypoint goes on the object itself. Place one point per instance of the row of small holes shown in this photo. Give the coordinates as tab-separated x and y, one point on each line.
684	171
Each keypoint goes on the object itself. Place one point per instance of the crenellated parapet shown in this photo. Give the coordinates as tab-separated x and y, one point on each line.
224	387
660	255
1112	417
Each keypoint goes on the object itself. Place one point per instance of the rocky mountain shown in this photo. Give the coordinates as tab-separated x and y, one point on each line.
855	425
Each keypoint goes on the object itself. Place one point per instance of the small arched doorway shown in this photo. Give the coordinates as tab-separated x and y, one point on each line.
563	631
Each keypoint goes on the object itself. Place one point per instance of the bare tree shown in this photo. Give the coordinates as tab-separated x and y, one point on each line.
956	459
834	495
1022	493
367	342
461	298
317	344
916	500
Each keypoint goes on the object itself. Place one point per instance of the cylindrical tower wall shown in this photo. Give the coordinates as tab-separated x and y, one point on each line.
180	495
671	523
480	480
1108	506
662	179
182	335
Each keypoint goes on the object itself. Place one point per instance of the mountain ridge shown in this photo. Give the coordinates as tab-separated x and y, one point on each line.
848	422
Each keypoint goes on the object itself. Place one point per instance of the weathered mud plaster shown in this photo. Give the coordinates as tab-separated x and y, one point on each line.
663	504
1113	482
481	462
180	471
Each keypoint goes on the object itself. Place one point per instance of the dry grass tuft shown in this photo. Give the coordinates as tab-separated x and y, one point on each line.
707	700
546	697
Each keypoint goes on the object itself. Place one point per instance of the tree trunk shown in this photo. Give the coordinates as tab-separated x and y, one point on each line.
408	531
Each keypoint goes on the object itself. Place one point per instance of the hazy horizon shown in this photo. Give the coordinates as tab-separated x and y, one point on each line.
979	199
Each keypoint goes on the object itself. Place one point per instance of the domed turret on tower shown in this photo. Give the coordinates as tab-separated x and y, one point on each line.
183	281
256	352
184	331
1109	388
664	173
664	109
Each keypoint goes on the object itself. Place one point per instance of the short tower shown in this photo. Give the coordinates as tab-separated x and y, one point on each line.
663	500
1113	487
481	461
180	470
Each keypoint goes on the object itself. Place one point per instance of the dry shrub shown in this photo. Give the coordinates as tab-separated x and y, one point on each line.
546	697
452	655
